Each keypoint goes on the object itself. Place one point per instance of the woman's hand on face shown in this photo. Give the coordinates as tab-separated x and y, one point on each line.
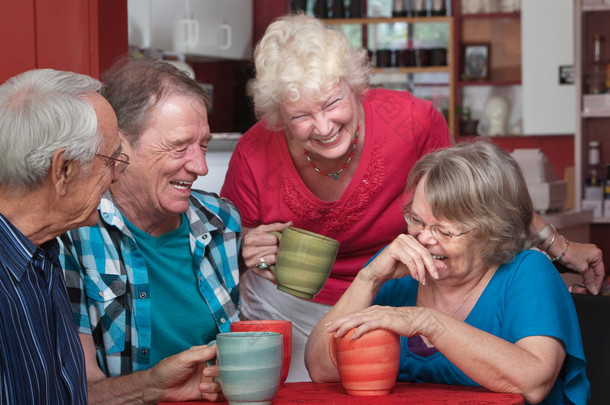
401	320
260	243
403	257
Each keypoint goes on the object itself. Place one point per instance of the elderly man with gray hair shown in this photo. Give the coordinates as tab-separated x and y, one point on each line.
59	152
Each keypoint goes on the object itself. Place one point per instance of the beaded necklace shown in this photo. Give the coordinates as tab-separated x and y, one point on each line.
336	174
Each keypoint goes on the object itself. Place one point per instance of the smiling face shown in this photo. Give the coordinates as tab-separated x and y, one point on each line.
168	157
460	255
325	129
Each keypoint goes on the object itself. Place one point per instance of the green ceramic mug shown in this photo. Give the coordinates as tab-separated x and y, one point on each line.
304	261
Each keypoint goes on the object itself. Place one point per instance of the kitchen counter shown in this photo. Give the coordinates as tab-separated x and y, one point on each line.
574	225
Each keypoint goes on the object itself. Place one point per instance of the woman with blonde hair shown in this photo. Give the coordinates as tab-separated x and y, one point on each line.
331	156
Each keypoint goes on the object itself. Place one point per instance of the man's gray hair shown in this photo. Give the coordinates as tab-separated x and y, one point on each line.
42	111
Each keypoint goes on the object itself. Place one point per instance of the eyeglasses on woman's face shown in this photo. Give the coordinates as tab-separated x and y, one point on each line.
120	162
416	225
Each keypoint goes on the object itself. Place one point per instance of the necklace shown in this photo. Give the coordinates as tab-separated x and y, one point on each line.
461	303
336	174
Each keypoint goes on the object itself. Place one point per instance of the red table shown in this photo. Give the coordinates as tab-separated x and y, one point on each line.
403	393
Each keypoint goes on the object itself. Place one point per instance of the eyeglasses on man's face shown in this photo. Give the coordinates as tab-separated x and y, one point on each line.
120	162
416	225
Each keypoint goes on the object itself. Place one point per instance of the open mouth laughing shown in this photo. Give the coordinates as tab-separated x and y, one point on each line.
181	185
330	140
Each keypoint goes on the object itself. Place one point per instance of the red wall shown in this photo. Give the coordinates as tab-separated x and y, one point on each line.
112	29
265	11
17	37
81	36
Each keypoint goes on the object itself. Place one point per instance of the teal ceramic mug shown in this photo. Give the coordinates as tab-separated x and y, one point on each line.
249	366
304	261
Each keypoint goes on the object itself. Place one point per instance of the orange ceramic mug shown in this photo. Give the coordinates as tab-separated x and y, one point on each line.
270	325
367	365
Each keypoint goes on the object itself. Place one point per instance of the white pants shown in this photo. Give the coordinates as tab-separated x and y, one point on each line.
260	299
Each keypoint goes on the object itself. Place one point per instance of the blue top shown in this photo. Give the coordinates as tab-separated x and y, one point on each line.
525	297
172	278
41	359
108	280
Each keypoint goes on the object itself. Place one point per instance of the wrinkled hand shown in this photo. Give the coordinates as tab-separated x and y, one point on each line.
405	321
587	260
404	256
185	377
259	242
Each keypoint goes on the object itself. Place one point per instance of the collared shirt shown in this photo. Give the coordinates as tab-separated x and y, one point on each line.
107	278
41	358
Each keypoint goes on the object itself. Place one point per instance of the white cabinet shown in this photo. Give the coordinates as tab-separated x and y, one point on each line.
547	29
212	28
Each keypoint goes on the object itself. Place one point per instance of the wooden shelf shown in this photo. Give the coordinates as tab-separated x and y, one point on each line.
596	115
596	7
601	220
502	31
567	219
387	20
490	16
489	83
414	69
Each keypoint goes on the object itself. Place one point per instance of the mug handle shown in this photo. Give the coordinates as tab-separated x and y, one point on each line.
278	235
332	351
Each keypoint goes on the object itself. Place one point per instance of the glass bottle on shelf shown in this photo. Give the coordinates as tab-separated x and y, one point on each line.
337	9
594	189
320	9
409	8
398	8
607	183
354	9
606	209
595	76
298	5
608	76
439	8
419	8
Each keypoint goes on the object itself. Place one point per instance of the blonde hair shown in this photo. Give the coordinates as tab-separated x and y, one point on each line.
298	57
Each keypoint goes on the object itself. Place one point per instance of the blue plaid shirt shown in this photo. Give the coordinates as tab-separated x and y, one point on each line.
41	358
107	278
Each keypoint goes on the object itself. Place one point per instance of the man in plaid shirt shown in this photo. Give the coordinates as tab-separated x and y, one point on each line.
158	274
